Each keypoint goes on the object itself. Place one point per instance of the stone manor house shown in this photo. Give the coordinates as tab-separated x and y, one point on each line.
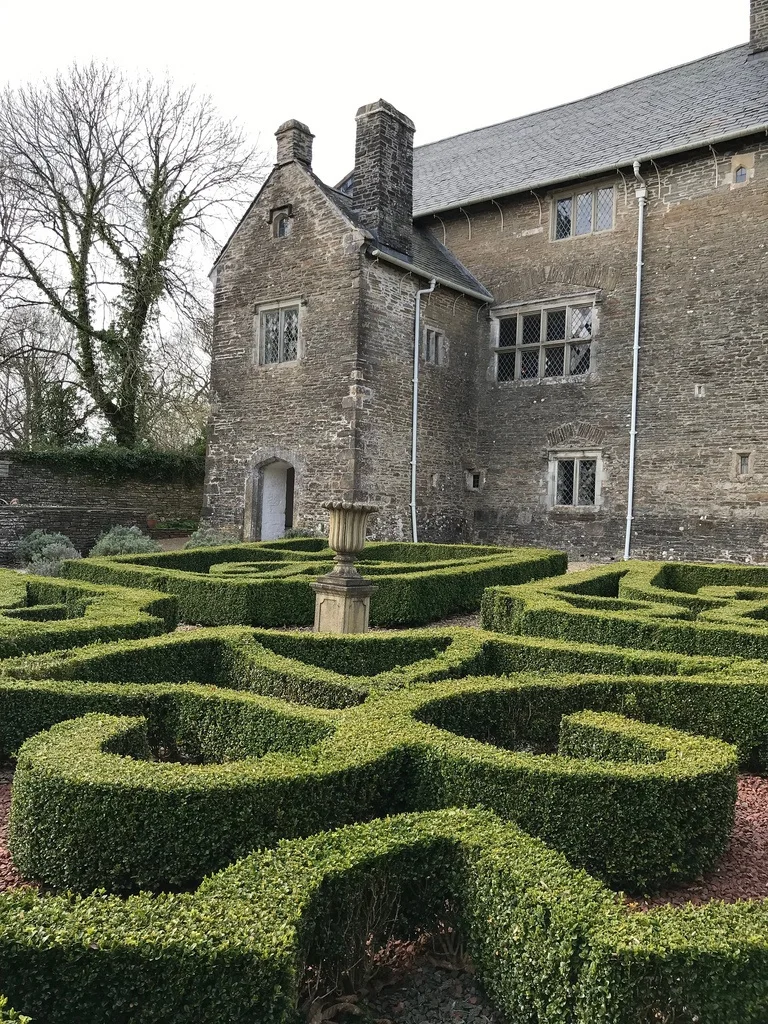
552	330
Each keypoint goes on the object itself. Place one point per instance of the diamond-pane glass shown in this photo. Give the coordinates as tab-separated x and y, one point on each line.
531	328
505	366
554	361
556	325
604	209
584	213
581	322
565	474
563	218
579	359
529	363
508	331
290	332
270	332
587	473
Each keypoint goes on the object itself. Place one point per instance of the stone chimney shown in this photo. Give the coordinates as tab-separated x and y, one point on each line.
382	190
758	25
294	142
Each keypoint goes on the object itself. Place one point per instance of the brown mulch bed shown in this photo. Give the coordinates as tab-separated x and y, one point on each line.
742	873
9	876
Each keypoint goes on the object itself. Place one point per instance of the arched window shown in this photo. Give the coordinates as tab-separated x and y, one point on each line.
740	175
281	226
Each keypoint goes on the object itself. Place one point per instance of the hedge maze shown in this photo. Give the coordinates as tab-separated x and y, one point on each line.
213	813
268	584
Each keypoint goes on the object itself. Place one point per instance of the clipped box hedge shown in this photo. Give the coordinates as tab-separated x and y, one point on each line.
91	810
245	584
549	943
691	608
39	613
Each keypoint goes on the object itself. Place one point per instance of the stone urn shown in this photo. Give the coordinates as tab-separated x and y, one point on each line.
346	534
343	596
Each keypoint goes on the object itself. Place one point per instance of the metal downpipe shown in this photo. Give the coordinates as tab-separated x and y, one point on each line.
641	193
415	407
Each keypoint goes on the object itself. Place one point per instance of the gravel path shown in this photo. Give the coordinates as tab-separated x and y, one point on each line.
742	873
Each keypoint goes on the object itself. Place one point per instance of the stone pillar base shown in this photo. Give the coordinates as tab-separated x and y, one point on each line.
342	605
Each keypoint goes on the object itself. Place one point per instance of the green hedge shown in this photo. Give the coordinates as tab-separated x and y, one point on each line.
111	464
9	1016
39	614
417	584
83	816
695	609
549	943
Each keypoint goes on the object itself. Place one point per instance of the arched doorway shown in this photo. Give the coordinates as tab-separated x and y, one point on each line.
277	482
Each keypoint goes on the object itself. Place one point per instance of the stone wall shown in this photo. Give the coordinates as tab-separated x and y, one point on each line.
447	407
341	413
705	294
303	412
80	505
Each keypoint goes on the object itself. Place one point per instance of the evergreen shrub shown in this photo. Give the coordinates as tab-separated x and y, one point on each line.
124	540
691	608
550	944
417	583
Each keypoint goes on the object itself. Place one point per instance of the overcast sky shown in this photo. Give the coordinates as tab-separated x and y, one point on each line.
450	67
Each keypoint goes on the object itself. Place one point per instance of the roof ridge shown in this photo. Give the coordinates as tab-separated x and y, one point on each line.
589	96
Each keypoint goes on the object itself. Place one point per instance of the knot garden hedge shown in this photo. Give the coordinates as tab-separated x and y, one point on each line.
215	812
268	584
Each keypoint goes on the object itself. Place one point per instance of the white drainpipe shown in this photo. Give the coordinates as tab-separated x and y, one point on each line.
415	413
641	192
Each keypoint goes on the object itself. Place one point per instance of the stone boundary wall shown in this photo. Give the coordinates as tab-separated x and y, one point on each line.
81	524
83	506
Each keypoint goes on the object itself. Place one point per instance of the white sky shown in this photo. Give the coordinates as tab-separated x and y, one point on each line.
451	67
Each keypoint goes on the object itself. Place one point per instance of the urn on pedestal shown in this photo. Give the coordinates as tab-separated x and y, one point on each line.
343	596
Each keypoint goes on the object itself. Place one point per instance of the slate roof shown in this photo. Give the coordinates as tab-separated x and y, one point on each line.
684	107
428	254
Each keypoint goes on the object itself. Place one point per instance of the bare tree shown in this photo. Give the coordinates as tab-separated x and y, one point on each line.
175	406
41	405
106	186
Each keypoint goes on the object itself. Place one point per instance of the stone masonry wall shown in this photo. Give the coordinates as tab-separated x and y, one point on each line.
447	406
303	412
705	296
81	506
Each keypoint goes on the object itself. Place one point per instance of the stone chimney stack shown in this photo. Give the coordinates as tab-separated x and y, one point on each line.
294	142
382	189
758	25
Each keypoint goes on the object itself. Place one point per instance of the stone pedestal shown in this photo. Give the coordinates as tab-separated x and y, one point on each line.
343	597
342	605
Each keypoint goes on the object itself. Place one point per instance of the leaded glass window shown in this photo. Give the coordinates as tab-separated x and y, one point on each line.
279	334
551	342
563	220
575	480
584	213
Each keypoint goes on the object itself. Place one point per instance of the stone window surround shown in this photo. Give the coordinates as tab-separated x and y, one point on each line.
738	456
746	161
281	215
474	480
439	354
502	311
258	348
575	455
572	192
